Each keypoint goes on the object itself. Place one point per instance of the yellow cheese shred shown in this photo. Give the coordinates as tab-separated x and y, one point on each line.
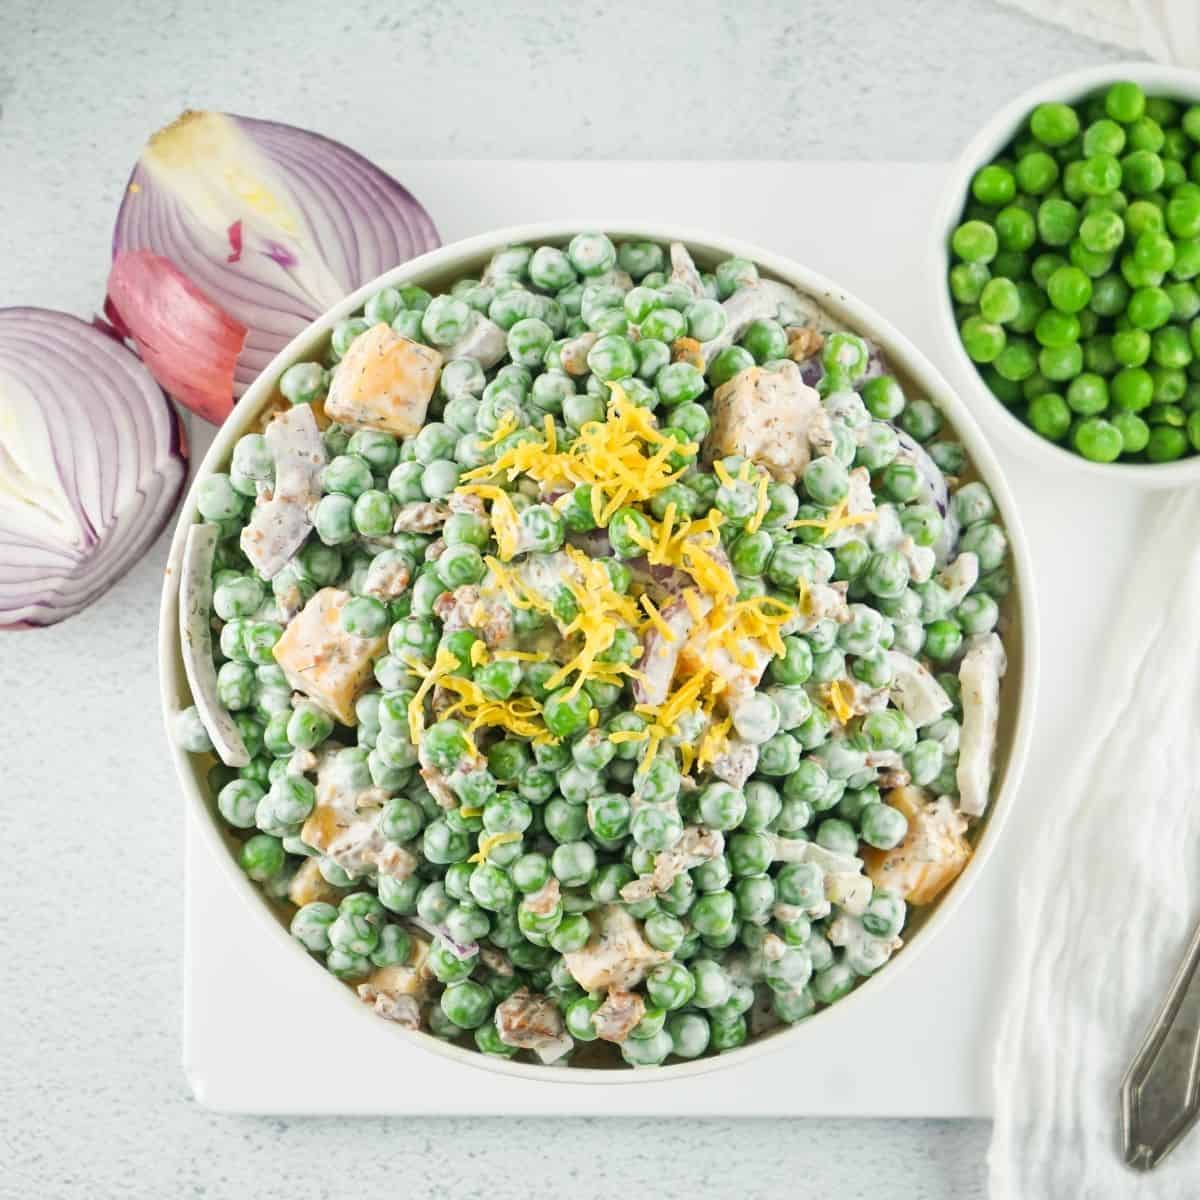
506	425
841	695
489	842
505	523
760	511
656	618
444	662
837	518
713	742
521	715
608	455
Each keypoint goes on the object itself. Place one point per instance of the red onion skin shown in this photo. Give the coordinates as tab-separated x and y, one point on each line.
190	344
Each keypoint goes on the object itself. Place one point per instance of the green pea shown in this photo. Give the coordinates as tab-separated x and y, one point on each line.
1054	124
999	302
993	185
883	826
679	383
591	254
1060	363
629	532
975	242
1057	221
446	320
565	714
1142	172
1069	289
943	639
1087	394
1036	172
467	1003
982	339
262	857
550	269
528	340
729	362
1050	416
901	482
1166	444
826	481
373	513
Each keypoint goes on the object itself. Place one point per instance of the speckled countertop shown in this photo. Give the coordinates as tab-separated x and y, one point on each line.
92	1099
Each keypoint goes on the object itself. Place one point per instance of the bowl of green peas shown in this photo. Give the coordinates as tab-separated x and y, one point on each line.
1067	255
599	647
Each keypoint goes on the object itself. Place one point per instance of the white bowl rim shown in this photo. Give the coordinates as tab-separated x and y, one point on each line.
995	133
858	316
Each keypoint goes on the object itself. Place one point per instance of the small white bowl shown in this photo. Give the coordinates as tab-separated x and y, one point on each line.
438	270
1173	82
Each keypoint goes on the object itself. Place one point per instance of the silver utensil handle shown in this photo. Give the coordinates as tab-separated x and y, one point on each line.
1160	1094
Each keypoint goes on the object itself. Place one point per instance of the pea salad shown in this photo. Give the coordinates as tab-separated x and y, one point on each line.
603	656
1074	275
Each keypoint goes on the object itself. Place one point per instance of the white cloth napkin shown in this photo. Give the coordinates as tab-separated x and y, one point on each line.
1167	30
1109	897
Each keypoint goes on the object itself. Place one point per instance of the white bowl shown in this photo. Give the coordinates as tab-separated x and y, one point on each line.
438	269
1174	82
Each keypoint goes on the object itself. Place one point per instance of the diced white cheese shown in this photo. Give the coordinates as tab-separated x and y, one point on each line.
767	299
979	676
683	270
765	416
960	577
916	693
485	342
616	954
281	521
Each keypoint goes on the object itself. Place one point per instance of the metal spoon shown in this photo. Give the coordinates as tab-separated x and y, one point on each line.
1160	1094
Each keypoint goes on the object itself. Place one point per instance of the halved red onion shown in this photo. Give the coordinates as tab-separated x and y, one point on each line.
273	224
92	463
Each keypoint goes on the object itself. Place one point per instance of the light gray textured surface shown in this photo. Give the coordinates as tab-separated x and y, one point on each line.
92	1100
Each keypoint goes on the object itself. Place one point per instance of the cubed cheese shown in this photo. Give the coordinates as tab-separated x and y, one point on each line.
932	854
322	660
308	885
764	416
384	382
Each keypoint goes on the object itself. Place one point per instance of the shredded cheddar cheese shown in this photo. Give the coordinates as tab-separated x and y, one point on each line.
444	662
506	525
520	715
626	460
489	842
656	618
507	424
755	522
841	696
610	456
836	519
